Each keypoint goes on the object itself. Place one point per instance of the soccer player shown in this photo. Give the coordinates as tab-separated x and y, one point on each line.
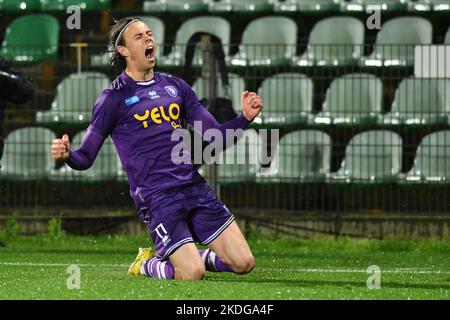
140	109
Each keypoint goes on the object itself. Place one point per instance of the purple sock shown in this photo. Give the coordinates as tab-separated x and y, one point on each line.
158	269
213	262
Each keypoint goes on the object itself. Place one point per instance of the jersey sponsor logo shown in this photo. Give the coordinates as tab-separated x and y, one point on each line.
158	115
171	91
131	100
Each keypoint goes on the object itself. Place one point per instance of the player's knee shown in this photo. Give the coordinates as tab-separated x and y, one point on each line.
244	265
192	272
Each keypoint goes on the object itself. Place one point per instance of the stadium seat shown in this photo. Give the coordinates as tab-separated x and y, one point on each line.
263	46
20	6
75	98
419	102
27	154
217	26
301	157
237	86
375	5
352	99
105	166
396	40
288	99
317	6
62	5
334	41
240	5
430	5
175	6
158	30
240	162
432	162
31	38
370	157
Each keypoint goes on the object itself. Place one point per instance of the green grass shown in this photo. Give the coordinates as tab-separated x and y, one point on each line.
287	268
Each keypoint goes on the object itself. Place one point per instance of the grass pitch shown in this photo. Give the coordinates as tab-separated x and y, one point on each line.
287	268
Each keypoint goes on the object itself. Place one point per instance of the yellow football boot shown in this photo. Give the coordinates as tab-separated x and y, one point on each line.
143	255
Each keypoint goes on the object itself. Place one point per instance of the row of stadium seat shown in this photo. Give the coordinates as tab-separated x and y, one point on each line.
301	156
352	99
179	6
183	6
53	6
370	157
335	41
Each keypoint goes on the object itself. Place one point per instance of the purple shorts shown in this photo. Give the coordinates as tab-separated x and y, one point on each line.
189	213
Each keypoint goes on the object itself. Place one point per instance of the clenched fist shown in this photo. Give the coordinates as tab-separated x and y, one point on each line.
251	105
60	148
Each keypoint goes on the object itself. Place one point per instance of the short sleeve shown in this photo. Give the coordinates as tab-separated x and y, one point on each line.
105	113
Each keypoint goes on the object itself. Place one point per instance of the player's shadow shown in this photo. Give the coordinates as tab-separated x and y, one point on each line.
325	283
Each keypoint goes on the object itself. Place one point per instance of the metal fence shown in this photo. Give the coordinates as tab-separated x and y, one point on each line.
346	128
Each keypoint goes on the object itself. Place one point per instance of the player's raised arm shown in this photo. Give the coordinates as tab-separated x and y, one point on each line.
82	158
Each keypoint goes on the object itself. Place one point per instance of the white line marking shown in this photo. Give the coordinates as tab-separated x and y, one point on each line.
305	270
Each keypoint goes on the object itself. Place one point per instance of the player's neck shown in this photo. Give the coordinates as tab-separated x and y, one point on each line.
140	75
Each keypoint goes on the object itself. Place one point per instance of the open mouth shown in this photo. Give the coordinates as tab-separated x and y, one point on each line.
150	53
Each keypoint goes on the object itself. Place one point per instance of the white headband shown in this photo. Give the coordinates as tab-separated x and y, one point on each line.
123	30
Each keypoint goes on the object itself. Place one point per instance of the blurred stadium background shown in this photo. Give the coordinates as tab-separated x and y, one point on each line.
363	113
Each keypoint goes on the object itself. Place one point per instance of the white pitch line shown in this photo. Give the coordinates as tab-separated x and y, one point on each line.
305	270
399	271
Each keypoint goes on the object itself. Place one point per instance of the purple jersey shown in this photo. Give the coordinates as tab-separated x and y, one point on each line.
140	117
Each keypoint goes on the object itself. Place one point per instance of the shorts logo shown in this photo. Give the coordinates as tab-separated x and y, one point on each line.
171	91
162	233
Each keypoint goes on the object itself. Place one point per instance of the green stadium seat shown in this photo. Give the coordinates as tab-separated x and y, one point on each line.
175	6
158	30
75	98
288	99
20	6
263	46
432	162
396	40
335	41
31	38
217	26
352	99
27	154
240	5
370	157
240	162
237	86
375	5
419	102
105	166
317	6
301	157
85	5
430	5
